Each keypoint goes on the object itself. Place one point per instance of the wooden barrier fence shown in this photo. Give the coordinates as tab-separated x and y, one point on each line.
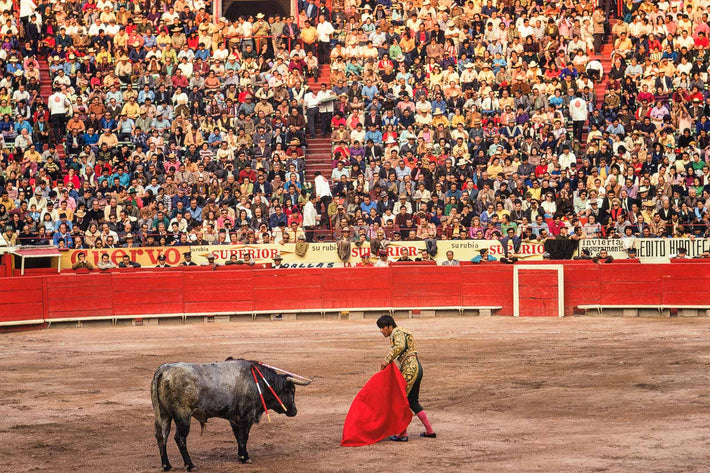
200	291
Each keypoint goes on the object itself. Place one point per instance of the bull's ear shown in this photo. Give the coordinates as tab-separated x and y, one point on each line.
299	381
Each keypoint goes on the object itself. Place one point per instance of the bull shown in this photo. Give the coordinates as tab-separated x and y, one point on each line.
226	390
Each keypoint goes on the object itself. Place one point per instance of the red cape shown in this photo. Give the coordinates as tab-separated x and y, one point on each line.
379	410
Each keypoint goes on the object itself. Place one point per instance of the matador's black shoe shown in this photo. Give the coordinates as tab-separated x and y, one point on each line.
429	436
397	438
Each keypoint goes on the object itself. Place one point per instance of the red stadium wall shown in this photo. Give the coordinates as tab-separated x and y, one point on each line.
200	291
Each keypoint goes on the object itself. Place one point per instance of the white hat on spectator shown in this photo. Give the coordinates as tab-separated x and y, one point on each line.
260	16
367	7
426	3
532	64
390	141
643	189
469	65
442	8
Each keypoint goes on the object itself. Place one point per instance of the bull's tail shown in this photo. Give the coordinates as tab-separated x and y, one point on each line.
161	416
154	394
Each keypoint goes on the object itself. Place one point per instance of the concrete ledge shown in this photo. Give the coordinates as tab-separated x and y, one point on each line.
645	311
402	314
422	314
448	313
692	313
352	315
307	315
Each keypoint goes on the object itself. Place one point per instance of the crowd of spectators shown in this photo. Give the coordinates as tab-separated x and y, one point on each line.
448	120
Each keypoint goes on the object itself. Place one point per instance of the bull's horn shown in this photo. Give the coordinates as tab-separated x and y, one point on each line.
299	381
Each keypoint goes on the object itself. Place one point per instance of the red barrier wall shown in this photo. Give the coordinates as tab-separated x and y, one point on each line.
538	291
490	285
22	299
197	291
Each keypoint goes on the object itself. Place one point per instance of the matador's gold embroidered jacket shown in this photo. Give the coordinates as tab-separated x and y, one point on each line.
404	352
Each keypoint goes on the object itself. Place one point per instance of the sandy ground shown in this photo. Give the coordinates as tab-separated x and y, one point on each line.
572	395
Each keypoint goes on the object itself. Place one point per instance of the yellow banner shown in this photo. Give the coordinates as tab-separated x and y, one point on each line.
319	255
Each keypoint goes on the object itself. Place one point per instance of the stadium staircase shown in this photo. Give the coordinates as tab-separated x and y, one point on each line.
45	90
318	150
605	59
45	83
599	87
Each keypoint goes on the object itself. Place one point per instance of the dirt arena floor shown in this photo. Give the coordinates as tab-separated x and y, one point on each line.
504	395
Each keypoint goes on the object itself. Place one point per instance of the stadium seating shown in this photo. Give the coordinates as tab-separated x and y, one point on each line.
128	127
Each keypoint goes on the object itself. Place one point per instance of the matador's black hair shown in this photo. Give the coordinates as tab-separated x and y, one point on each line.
386	321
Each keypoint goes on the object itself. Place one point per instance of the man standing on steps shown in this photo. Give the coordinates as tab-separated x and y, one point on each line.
578	112
325	30
59	107
598	20
310	217
326	106
310	102
322	191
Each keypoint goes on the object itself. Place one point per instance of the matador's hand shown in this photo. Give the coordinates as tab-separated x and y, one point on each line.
383	365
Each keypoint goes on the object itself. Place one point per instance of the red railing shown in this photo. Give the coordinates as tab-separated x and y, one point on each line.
202	291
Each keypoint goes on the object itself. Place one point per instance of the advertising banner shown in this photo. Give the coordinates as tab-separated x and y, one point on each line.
318	255
647	248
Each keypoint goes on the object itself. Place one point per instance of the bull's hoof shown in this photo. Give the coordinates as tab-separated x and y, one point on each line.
190	467
167	467
245	459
